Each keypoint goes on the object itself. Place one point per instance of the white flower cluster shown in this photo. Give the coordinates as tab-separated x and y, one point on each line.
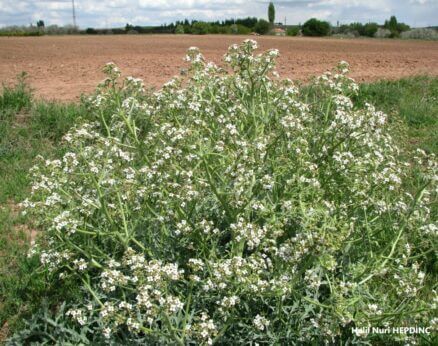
78	315
251	234
261	323
234	207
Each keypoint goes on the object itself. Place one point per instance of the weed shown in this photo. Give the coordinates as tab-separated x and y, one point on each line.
346	261
238	208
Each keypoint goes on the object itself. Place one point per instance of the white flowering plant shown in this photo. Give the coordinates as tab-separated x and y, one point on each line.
232	206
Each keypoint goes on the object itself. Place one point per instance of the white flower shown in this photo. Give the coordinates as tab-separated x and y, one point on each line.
261	323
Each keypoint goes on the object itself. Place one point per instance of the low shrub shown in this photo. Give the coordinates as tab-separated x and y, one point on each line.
382	33
421	34
234	207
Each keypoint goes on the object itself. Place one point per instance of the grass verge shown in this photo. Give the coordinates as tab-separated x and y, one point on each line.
27	128
413	102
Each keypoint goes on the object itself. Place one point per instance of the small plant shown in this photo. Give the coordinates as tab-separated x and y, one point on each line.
15	98
54	328
234	207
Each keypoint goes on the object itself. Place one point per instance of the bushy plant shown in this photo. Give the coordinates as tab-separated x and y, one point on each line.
315	27
382	33
421	34
236	208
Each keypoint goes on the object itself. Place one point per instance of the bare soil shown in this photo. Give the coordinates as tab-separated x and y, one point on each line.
63	67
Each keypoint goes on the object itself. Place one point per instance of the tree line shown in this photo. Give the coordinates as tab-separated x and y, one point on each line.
243	26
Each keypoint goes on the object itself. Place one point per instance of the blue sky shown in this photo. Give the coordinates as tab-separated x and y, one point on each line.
113	13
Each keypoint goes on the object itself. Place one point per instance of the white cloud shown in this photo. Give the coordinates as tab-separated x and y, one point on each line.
118	3
423	2
98	13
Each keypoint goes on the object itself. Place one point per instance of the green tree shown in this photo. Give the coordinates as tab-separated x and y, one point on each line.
262	27
40	24
315	27
393	23
91	31
293	31
179	29
271	13
401	27
370	29
200	28
395	27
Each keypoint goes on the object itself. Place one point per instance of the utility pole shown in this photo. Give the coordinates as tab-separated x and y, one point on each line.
284	21
74	12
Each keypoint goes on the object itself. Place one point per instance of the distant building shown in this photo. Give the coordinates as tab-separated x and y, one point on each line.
279	32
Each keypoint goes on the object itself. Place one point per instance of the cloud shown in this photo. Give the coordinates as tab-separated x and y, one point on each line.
423	2
100	13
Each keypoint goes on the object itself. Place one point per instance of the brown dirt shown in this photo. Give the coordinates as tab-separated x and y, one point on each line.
64	67
4	332
14	210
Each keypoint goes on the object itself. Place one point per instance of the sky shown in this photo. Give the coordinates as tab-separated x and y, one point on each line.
116	13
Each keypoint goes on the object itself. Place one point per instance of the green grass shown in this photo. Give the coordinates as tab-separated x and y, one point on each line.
412	107
14	99
29	128
414	101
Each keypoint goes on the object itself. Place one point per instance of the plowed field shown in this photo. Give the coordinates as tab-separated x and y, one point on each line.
63	67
